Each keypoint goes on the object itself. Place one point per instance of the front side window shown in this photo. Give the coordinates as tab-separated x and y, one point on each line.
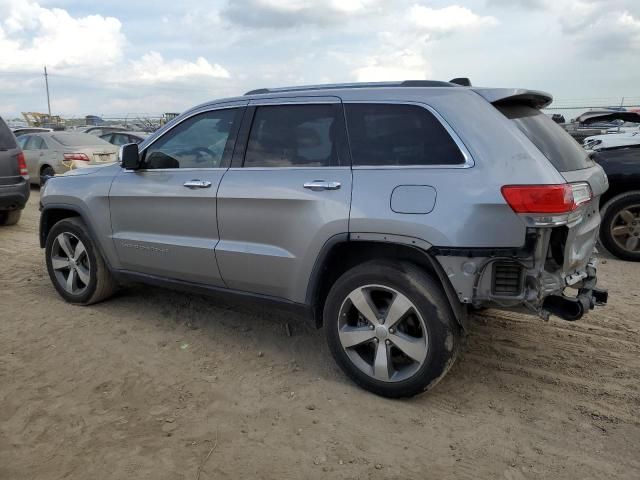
389	135
120	139
198	142
293	136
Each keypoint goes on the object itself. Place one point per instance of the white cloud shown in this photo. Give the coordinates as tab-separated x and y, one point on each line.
32	36
291	13
404	65
448	19
153	68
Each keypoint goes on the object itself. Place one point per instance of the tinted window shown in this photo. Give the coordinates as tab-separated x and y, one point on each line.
7	140
121	139
34	143
551	139
198	142
384	134
22	141
293	136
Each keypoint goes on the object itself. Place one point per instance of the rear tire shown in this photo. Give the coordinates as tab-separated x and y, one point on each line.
413	315
620	228
46	173
70	252
10	217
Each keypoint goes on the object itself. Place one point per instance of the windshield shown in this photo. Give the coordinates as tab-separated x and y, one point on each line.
551	139
77	139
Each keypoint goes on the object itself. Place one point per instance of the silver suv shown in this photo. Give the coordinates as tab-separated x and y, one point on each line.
383	212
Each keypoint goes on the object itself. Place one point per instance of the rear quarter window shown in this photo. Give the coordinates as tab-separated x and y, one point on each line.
7	140
398	135
552	140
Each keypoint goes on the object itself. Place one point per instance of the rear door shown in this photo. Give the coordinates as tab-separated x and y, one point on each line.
288	192
164	215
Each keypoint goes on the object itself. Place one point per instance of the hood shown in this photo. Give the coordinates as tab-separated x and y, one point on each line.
88	170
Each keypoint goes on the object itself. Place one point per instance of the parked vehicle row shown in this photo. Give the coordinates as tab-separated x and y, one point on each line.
382	212
54	153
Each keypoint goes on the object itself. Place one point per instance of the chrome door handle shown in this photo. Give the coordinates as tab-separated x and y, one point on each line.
318	185
197	184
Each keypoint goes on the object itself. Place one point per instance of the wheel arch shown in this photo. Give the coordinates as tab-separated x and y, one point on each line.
342	252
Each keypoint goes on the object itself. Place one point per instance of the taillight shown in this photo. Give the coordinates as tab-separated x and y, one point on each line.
22	164
76	156
541	199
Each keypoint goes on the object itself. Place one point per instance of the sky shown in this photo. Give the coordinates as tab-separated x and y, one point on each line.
124	57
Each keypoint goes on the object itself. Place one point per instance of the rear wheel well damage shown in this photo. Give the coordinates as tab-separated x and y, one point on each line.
341	257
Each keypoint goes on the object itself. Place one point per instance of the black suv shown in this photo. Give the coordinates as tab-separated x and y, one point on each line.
14	181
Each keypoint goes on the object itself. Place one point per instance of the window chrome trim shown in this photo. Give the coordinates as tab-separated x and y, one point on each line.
337	167
468	159
150	170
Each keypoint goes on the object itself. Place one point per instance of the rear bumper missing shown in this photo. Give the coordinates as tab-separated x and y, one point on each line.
573	308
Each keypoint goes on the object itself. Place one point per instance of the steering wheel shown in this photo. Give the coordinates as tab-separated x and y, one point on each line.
200	151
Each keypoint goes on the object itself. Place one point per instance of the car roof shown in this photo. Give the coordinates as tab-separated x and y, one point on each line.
397	90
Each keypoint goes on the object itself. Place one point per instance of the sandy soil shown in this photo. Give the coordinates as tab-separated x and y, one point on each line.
159	385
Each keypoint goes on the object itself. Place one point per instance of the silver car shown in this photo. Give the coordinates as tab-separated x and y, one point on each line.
54	153
381	212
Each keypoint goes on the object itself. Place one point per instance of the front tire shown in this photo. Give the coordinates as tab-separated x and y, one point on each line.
390	328
76	267
620	228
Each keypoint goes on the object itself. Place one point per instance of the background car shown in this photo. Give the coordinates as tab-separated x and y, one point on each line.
620	205
609	140
48	154
14	185
122	138
24	130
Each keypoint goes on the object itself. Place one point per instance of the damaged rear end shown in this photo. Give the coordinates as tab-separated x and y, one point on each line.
555	271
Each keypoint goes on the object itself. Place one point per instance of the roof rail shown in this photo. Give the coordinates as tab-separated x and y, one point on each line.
334	86
462	81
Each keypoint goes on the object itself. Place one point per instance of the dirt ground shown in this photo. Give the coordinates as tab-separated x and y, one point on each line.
159	385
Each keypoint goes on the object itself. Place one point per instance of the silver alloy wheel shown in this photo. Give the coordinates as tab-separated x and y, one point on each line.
70	263
625	229
383	333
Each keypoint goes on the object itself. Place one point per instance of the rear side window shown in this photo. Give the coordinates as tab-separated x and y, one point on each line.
7	140
387	134
293	136
551	139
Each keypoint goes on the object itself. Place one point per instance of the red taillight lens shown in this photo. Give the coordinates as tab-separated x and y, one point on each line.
22	165
76	156
551	199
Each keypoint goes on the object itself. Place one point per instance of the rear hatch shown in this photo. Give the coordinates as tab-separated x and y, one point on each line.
9	171
575	165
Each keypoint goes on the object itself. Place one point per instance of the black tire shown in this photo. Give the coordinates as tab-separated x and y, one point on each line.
101	284
45	173
10	217
426	294
611	218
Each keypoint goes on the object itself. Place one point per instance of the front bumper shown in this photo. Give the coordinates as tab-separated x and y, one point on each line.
15	196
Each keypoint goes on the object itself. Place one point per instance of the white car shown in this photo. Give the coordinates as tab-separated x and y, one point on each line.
611	140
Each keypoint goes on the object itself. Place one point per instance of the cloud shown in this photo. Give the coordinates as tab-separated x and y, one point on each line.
526	4
153	68
448	19
291	13
90	47
32	36
404	65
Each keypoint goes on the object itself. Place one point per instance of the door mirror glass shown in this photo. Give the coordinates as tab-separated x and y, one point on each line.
130	156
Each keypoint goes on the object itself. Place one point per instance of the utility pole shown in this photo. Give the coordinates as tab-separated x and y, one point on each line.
46	82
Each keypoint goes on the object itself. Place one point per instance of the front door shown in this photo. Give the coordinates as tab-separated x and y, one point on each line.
163	216
288	192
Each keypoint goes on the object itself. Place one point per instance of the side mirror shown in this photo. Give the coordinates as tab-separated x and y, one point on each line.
130	156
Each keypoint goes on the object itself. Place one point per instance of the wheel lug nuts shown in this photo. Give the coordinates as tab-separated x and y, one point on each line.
388	342
391	330
371	327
